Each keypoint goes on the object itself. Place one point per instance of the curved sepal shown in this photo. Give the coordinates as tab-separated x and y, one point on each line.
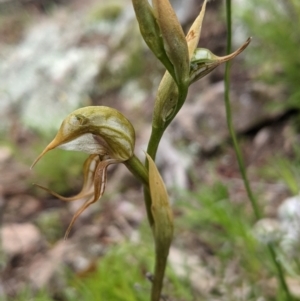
193	35
204	61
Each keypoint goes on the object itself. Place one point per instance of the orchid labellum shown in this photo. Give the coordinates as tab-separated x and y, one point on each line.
106	135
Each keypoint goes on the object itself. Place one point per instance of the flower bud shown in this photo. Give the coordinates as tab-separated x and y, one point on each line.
150	31
166	101
174	40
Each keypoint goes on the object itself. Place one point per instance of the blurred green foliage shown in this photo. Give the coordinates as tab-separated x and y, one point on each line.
50	224
226	229
106	11
60	171
111	280
284	169
275	28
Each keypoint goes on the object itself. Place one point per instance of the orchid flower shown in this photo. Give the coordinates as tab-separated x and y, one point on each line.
185	63
106	135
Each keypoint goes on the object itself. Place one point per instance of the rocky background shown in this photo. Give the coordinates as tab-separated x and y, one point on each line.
57	56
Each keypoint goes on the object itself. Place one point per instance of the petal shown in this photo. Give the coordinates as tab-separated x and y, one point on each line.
53	144
66	199
204	61
89	168
193	36
100	177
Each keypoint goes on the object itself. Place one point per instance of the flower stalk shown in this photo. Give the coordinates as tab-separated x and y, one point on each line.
162	228
241	164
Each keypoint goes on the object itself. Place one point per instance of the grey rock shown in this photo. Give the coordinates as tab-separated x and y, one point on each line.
48	74
45	269
202	119
289	216
20	238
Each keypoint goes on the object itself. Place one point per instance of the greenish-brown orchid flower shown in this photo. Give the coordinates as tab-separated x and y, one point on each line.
106	135
201	62
204	61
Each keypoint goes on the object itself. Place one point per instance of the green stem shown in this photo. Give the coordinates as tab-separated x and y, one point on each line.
137	168
182	94
160	255
237	149
157	132
229	119
159	272
280	271
240	159
153	144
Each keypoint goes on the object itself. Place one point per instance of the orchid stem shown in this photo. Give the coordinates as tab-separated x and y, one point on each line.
252	198
136	167
157	132
161	256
